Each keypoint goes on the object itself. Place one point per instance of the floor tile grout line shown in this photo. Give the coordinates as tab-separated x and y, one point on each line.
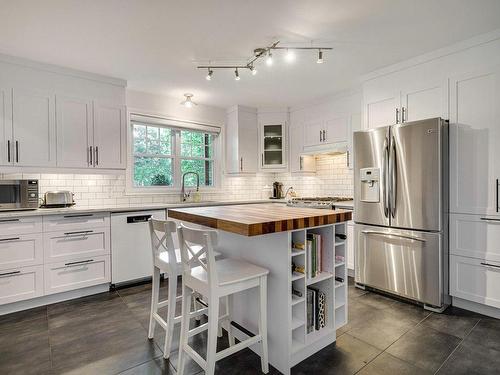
459	344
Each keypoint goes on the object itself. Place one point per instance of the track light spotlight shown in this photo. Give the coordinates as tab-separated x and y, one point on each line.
188	103
236	75
290	56
269	59
253	70
210	74
320	57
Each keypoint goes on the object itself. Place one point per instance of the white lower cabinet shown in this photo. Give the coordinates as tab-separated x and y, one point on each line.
75	221
21	250
20	225
75	274
76	244
475	280
20	284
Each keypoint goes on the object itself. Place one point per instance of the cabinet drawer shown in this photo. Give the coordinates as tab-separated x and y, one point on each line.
21	225
471	236
75	274
75	221
62	246
475	280
21	250
20	284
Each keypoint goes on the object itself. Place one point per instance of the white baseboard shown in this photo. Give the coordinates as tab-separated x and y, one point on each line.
476	307
53	298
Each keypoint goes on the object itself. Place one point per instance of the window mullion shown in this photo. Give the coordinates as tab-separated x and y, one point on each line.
177	162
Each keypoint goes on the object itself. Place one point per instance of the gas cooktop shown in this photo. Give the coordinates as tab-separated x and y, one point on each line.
317	202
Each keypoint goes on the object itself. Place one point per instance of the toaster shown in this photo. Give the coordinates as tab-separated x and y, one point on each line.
61	198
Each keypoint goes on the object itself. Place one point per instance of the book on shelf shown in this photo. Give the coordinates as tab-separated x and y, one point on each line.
314	255
316	309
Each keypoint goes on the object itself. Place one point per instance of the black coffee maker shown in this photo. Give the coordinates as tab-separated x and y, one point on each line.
277	190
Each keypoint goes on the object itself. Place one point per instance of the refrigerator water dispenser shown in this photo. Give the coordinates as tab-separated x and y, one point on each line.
370	184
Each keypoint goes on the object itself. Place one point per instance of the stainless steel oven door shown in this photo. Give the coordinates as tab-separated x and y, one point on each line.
403	262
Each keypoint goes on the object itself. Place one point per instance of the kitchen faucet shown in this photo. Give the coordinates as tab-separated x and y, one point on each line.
185	196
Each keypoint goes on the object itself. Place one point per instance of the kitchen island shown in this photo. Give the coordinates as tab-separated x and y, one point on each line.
273	236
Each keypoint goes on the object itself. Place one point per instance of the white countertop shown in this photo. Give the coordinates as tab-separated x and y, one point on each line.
345	204
113	209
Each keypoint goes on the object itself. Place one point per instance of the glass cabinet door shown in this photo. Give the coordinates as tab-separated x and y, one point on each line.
273	146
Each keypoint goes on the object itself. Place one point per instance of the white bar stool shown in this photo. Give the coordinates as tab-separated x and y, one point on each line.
201	273
167	260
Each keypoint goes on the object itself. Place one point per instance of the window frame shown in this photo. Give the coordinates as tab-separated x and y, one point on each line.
175	188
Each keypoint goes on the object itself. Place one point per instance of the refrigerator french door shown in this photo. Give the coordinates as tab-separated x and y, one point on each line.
400	198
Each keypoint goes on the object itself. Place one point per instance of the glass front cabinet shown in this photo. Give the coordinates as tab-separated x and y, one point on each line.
273	146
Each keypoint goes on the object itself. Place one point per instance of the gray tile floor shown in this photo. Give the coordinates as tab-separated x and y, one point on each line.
106	334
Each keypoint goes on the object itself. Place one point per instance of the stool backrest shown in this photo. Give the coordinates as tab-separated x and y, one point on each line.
162	240
197	249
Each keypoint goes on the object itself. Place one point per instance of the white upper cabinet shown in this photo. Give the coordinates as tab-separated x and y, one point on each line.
273	134
425	100
5	126
34	128
313	133
382	108
109	136
474	142
336	129
298	161
241	140
74	131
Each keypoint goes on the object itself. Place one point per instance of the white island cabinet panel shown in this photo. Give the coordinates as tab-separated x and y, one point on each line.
21	284
74	131
474	140
109	136
34	128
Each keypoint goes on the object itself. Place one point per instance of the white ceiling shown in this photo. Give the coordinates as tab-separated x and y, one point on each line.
156	45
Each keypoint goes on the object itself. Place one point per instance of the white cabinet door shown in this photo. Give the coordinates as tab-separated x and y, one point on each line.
350	245
298	162
354	125
381	110
475	236
6	126
21	250
425	100
336	130
248	144
76	274
109	136
20	284
475	280
34	138
313	133
273	146
74	131
474	142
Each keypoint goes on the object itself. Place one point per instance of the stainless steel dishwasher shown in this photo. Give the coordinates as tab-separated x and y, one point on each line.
131	255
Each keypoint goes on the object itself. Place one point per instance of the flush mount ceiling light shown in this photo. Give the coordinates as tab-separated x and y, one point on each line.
263	52
188	103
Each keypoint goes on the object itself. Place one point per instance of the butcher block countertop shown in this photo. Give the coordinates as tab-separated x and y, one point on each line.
254	220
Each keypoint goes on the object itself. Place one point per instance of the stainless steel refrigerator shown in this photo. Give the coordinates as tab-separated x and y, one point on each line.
400	210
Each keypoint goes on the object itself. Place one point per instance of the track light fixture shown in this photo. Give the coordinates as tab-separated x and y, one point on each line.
210	74
263	52
188	103
320	57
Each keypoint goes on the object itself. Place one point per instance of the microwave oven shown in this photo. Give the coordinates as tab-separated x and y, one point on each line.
18	195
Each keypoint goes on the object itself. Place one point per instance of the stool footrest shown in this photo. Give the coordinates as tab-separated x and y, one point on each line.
236	348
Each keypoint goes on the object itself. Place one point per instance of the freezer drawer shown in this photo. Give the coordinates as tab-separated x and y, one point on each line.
403	262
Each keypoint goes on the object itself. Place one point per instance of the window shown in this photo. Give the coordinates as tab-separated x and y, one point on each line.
162	154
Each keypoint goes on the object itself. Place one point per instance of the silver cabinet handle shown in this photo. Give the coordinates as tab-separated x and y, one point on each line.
393	178
78	233
77	215
79	262
324	135
494	221
241	164
385	171
403	115
300	162
262	159
490	265
407	237
347	159
96	156
397	115
10	239
8	150
17	151
320	136
8	220
9	273
90	156
497	195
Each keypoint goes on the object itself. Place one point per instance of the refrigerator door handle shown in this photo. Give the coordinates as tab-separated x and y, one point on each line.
392	177
385	170
407	237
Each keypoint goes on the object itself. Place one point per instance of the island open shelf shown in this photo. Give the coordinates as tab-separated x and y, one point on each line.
274	237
